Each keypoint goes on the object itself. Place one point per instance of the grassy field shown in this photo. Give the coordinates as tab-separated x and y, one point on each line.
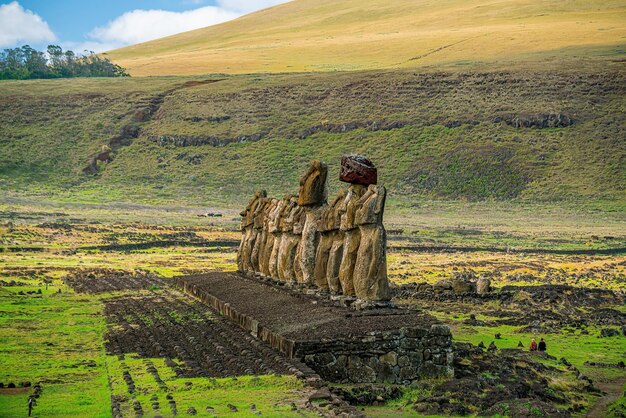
56	339
329	35
522	244
62	333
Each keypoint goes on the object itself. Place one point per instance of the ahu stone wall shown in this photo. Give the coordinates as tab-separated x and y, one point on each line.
337	246
398	357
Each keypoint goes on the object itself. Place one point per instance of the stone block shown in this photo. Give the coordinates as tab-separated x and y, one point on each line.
390	358
408	373
440	329
362	374
415	332
444	341
409	343
386	373
357	169
325	358
416	358
483	285
428	370
403	361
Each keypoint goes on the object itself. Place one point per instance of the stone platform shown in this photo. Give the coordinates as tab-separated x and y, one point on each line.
343	345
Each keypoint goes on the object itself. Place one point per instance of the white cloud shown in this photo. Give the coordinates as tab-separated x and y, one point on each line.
18	25
95	46
144	25
247	6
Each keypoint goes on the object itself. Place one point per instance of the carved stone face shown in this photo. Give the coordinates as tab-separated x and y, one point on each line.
247	216
371	206
334	221
330	218
298	215
276	216
270	214
313	186
287	218
349	206
259	213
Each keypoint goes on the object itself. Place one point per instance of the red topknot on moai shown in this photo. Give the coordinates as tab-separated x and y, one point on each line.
356	169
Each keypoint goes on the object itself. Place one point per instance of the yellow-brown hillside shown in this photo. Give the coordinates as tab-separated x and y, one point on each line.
328	35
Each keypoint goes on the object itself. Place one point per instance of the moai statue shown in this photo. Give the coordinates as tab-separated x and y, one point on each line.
276	229
289	241
339	247
336	250
360	172
298	227
248	232
328	227
370	270
351	239
311	197
259	242
268	227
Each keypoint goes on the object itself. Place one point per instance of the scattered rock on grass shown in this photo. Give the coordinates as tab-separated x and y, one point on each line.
323	393
609	332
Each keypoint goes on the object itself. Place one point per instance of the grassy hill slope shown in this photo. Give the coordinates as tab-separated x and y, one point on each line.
326	35
548	136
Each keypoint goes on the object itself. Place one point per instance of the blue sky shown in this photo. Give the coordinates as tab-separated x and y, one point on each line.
102	25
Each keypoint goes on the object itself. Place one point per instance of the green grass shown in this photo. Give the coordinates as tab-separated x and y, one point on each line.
449	149
577	348
399	406
57	339
269	394
618	407
74	322
50	338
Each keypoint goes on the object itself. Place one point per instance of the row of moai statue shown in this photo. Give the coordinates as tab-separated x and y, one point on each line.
337	246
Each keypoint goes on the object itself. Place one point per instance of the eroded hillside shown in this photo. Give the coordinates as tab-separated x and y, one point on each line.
488	135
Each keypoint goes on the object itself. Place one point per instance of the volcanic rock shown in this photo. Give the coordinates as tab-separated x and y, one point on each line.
460	286
609	332
357	169
323	393
483	285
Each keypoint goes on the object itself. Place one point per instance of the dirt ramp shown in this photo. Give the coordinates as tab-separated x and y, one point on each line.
109	280
173	326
